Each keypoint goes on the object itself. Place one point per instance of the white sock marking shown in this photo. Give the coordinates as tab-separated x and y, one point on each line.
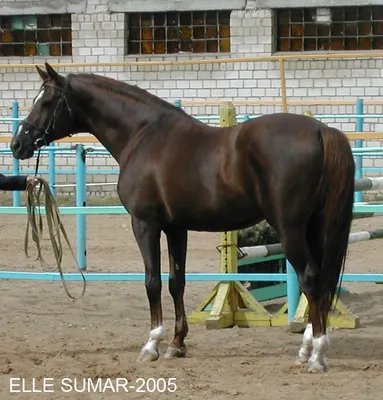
305	350
155	337
320	346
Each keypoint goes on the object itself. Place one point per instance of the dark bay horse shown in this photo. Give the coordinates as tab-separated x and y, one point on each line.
178	174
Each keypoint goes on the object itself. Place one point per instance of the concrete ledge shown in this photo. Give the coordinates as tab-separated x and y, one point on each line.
43	7
174	5
315	3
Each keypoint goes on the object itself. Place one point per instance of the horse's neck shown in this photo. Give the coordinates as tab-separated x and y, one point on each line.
113	122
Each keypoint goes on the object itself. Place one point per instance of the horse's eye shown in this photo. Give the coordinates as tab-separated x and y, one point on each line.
46	102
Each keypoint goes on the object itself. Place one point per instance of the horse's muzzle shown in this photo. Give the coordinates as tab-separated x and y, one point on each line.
21	151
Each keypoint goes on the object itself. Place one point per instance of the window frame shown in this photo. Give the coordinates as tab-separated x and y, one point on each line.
42	48
275	36
179	53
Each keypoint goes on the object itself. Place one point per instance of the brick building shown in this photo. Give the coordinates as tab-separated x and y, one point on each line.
94	31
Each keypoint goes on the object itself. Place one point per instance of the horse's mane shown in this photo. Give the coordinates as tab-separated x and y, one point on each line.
125	89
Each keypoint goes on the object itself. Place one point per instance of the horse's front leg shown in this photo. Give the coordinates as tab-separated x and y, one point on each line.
148	238
177	248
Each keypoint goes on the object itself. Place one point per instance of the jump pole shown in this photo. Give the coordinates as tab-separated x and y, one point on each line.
341	316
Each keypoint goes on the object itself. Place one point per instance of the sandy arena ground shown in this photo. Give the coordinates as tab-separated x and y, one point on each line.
46	335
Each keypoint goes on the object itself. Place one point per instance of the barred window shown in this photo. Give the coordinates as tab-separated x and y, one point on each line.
334	28
35	35
176	32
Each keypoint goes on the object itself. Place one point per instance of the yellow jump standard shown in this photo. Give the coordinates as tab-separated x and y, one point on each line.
233	304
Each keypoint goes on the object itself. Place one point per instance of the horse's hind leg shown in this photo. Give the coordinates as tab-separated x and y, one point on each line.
315	336
315	341
297	251
177	247
317	361
317	314
148	238
304	352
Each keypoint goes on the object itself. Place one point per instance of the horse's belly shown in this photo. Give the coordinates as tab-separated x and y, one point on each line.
218	221
220	226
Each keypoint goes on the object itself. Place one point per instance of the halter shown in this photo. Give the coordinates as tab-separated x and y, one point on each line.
43	140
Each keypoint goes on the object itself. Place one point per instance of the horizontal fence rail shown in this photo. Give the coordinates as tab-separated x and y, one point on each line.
205	60
194	277
94	210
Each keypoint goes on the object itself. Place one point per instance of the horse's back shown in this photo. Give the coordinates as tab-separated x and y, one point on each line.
205	178
285	129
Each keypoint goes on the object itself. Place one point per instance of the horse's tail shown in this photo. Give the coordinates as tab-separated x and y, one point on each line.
336	209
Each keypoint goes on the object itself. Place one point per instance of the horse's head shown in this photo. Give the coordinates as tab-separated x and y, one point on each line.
49	119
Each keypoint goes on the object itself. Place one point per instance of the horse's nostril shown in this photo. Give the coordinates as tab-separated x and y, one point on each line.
16	145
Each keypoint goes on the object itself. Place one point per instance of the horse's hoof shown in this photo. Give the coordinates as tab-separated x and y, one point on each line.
303	357
175	352
315	367
301	361
148	355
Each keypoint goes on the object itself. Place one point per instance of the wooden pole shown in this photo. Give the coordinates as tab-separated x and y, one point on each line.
294	57
283	86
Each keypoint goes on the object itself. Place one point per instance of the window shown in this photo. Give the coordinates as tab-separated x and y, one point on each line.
176	32
35	35
348	28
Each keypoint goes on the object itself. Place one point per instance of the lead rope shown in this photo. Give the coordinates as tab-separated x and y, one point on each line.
37	163
55	227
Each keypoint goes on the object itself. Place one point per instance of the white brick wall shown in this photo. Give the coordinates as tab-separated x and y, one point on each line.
99	37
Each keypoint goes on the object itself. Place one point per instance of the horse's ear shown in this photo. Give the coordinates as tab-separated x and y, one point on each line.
43	74
56	77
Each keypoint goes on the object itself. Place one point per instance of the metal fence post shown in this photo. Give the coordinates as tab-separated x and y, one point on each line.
81	202
293	291
358	197
16	163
